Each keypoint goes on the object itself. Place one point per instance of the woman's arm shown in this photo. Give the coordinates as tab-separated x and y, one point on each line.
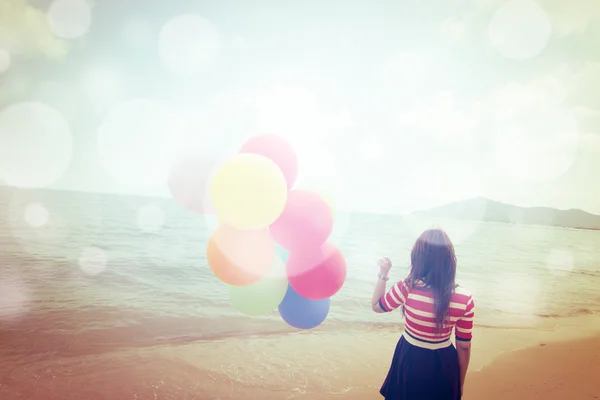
464	334
464	356
384	268
395	297
379	292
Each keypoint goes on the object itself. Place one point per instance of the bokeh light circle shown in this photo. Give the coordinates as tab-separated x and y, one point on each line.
93	260
69	19
5	60
41	222
264	296
14	298
520	29
36	224
36	215
240	257
538	143
138	142
249	192
151	218
188	44
36	145
560	262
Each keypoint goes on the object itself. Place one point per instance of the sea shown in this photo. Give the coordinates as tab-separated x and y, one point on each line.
93	274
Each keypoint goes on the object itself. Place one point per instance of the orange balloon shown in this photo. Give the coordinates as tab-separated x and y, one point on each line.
240	257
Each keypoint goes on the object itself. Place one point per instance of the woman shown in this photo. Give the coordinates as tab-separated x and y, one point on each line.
426	365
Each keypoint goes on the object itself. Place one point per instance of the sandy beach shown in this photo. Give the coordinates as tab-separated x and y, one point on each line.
322	364
562	370
551	365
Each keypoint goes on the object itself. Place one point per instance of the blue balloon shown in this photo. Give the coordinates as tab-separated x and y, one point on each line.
302	313
282	253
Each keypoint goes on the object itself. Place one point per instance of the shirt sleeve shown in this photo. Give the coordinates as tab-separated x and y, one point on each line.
464	326
395	297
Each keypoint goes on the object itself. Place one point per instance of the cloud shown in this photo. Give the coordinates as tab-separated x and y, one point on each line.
24	31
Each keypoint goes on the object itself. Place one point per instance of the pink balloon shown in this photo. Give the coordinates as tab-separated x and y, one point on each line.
278	150
318	273
189	181
306	221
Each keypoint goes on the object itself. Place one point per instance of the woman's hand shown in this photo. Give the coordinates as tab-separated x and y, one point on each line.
385	264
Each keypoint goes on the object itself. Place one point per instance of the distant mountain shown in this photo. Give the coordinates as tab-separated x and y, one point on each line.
488	210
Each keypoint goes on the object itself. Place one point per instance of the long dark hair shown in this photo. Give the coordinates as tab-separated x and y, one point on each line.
433	261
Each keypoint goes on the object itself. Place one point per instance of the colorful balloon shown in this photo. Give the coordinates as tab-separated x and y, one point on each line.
302	313
264	296
239	257
306	221
317	273
325	195
279	151
249	191
189	181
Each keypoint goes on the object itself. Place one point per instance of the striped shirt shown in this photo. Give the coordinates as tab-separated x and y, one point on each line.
420	326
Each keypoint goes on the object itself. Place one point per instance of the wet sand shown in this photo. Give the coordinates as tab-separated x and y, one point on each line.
567	370
564	364
321	364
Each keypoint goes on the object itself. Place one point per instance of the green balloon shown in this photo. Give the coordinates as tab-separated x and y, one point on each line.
263	296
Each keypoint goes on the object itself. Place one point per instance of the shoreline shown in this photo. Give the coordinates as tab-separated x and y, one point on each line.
311	365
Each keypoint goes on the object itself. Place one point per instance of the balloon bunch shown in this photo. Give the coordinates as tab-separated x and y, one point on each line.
271	246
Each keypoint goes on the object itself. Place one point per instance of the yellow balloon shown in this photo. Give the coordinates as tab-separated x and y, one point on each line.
249	191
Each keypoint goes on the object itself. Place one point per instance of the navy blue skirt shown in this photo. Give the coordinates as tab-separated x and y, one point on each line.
422	374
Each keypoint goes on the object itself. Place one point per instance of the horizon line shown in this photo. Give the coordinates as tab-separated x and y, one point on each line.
148	196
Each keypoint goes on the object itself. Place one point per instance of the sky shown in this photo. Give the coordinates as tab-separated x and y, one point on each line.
390	106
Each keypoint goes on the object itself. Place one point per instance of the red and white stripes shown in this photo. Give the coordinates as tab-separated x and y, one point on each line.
420	326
